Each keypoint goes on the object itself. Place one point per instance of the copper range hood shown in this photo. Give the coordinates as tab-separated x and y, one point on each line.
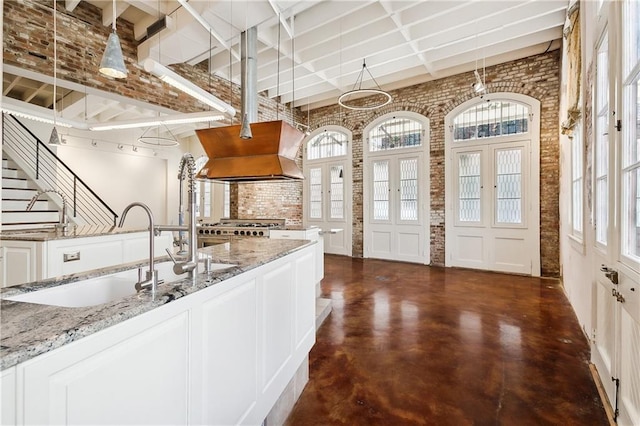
268	156
270	153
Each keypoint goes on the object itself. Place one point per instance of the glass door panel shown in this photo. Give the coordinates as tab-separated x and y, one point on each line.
315	193
469	187
508	186
409	189
381	190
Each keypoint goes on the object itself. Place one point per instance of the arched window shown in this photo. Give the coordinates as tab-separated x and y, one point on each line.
491	119
330	143
395	133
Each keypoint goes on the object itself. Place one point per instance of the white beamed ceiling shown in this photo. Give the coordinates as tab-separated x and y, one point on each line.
404	43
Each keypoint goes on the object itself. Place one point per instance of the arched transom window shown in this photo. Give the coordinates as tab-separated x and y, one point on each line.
327	144
491	119
395	133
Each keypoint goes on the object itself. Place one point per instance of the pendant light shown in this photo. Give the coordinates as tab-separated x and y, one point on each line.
112	64
54	139
380	97
479	84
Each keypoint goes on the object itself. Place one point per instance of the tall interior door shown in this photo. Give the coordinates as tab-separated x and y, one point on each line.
491	191
396	227
328	204
616	296
396	189
327	188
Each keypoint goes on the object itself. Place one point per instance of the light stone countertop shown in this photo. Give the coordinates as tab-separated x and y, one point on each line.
28	330
51	233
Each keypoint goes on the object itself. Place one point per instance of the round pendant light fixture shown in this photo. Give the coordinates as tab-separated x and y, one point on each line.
377	97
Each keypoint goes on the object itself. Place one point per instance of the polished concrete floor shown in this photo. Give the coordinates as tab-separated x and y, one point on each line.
414	345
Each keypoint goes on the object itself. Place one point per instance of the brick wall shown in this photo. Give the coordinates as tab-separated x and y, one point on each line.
81	41
536	76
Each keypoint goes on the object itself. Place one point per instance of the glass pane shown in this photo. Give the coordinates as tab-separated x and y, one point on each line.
602	142
631	35
602	209
396	133
337	193
576	181
315	193
491	119
227	200
409	189
327	144
509	186
631	210
469	187
381	190
207	200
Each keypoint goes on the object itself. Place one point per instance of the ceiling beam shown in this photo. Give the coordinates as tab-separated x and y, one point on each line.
29	97
11	85
107	12
70	5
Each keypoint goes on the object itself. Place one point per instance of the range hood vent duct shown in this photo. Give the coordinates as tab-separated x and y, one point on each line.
268	156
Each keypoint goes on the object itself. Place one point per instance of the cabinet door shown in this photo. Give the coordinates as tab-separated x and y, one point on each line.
229	354
142	379
8	397
305	301
276	322
22	262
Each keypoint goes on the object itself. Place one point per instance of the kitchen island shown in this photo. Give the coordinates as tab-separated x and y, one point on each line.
217	349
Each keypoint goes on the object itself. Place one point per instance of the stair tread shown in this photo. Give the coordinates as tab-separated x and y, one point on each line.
28	211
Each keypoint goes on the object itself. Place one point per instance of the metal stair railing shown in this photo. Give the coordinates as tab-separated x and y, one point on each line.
50	172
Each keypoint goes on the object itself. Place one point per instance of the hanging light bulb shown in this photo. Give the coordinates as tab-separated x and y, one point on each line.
112	63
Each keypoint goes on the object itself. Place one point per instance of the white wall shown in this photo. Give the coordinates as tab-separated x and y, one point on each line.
576	257
121	176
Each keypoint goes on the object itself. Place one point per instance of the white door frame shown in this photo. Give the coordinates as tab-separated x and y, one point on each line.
346	226
532	205
424	185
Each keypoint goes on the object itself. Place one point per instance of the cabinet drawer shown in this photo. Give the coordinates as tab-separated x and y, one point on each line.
79	258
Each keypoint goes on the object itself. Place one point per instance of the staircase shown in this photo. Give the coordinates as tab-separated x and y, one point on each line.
29	165
17	191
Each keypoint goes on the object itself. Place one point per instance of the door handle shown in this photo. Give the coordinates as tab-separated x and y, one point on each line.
612	274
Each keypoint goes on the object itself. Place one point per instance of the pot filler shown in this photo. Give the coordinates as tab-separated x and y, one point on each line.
268	156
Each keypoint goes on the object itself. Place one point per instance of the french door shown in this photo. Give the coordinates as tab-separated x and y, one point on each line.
396	226
616	295
492	222
329	203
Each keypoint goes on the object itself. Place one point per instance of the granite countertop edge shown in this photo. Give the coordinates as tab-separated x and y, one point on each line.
29	330
72	231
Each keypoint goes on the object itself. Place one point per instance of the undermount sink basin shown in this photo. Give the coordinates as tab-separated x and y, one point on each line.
99	290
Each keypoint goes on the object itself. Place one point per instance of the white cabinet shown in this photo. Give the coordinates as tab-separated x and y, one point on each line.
312	234
8	396
222	355
22	262
230	357
27	261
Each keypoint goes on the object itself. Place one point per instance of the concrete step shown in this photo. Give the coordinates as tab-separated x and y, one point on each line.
21	205
12	173
323	309
8	164
37	216
17	183
18	194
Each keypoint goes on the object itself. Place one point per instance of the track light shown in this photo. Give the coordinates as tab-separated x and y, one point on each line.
478	86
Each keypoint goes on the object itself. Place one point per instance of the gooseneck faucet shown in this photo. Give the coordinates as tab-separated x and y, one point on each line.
64	220
188	167
152	277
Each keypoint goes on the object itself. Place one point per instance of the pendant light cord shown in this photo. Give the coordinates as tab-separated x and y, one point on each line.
278	71
55	60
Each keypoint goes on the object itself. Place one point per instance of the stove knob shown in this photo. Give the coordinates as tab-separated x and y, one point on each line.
218	232
242	233
261	233
200	231
235	232
255	233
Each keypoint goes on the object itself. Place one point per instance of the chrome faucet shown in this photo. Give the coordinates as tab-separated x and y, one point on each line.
64	220
190	265
152	276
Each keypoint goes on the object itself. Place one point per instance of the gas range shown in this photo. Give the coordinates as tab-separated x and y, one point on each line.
240	227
